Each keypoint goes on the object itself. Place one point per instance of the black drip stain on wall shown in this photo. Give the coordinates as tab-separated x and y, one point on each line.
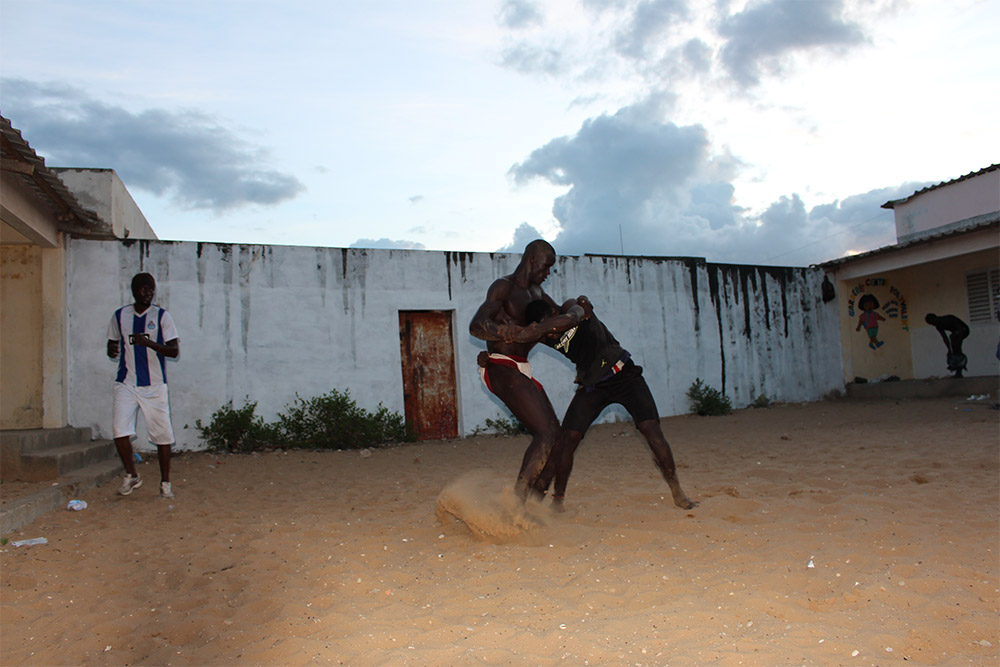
321	271
225	250
782	276
143	250
355	261
246	262
461	259
746	276
713	289
447	268
750	291
692	266
753	291
766	299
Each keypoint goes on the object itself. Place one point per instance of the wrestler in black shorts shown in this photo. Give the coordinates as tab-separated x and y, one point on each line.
606	375
626	388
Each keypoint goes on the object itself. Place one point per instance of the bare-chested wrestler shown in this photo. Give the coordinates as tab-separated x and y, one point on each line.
500	321
605	374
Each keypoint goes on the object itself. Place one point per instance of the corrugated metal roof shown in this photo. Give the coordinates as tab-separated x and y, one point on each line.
892	203
992	222
20	161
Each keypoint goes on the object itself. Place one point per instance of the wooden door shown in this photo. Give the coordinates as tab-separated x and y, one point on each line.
430	397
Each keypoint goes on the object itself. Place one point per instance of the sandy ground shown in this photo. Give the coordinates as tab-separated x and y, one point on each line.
838	533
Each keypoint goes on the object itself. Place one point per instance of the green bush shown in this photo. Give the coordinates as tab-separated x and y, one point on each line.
237	430
335	421
502	426
330	421
761	401
706	400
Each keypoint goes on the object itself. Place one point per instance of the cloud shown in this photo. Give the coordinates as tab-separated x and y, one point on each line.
523	235
645	186
388	244
518	14
529	59
861	219
649	22
186	155
697	55
758	37
635	181
661	42
625	169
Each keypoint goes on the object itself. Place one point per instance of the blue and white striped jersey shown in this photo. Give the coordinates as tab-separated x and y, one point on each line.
140	366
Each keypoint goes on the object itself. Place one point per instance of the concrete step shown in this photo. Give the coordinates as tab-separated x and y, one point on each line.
16	444
33	440
20	512
983	385
64	460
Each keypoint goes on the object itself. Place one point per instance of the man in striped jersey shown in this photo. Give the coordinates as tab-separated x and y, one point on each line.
141	336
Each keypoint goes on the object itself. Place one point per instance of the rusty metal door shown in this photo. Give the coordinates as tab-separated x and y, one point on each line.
428	357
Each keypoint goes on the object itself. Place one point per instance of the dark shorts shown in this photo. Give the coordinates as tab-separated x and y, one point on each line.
628	389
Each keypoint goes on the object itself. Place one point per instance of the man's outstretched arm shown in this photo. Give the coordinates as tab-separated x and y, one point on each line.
484	324
550	325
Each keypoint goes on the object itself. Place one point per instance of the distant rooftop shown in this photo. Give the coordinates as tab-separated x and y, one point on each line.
894	202
22	162
992	222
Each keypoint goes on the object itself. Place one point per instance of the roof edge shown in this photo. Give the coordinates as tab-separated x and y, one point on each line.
892	203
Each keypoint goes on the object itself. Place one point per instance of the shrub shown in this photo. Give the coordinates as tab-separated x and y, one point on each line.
330	421
706	400
762	401
237	430
335	421
502	426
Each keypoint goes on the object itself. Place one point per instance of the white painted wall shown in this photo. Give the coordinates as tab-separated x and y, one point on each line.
270	322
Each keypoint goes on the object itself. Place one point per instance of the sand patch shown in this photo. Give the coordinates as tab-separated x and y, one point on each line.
484	502
336	558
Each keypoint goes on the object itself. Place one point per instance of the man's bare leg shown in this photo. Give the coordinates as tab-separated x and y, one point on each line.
664	459
125	453
532	407
558	467
163	454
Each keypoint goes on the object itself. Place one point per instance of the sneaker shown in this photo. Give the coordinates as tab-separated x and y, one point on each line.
165	490
131	483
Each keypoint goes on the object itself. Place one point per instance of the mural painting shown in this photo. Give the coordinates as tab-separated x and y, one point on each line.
869	319
864	303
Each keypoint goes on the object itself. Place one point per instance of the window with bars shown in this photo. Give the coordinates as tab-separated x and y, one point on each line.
983	291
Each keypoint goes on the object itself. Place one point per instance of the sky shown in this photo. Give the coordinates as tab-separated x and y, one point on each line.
763	132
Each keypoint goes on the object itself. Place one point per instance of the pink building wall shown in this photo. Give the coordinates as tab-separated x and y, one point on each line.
960	202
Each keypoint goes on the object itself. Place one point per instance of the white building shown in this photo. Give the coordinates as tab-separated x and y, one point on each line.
946	262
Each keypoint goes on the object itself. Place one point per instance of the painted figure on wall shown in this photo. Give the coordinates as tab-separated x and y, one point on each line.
869	319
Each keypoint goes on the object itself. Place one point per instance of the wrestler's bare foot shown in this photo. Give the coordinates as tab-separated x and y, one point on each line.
680	498
685	503
557	504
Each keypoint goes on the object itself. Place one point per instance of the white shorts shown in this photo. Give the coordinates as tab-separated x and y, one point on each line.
155	405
